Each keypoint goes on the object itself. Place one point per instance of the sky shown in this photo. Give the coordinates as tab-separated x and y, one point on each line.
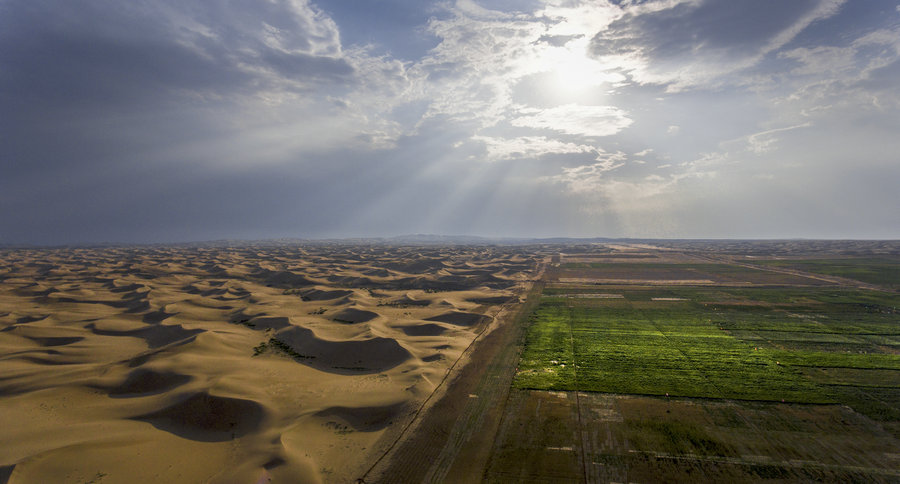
186	120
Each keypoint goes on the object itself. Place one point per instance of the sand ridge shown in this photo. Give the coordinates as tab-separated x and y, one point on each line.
230	364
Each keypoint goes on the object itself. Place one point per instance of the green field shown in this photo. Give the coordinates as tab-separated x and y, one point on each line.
672	271
884	271
724	374
804	345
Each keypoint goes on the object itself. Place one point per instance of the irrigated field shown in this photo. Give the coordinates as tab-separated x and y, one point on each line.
744	375
748	344
873	270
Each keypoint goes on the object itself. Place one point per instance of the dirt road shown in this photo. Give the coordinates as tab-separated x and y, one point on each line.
451	441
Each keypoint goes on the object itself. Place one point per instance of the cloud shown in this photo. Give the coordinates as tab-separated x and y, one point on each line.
573	119
558	40
469	74
196	45
764	141
483	55
529	147
269	81
590	179
158	116
844	65
683	45
577	19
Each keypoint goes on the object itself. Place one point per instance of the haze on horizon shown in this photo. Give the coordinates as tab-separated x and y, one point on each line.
166	121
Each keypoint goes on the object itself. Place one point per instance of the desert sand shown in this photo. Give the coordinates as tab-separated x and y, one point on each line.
231	364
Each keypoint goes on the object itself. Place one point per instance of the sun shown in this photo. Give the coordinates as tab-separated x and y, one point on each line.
577	72
571	70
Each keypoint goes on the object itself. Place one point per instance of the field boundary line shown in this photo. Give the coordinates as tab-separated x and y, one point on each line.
584	465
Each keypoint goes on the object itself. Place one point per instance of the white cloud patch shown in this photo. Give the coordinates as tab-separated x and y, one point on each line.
577	19
765	141
573	119
469	74
529	147
589	178
482	55
850	63
833	84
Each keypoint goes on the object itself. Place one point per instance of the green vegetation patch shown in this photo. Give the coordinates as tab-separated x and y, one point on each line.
735	343
669	271
873	270
548	363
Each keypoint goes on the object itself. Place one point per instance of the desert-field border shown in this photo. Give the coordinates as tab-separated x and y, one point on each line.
509	317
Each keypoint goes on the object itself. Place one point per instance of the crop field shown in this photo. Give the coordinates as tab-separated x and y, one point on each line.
776	379
884	271
570	437
697	272
749	344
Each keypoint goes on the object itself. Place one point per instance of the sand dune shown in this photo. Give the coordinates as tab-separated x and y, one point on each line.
230	364
407	300
324	294
363	419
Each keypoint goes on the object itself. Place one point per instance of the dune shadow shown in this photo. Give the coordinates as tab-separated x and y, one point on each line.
491	300
460	318
429	329
354	316
143	382
155	335
207	418
355	356
55	340
6	473
323	295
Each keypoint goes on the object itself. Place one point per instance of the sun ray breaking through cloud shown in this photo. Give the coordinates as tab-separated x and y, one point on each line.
162	120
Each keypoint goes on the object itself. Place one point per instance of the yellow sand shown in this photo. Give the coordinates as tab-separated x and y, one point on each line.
141	365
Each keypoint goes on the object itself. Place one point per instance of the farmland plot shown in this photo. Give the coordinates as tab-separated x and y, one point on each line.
741	380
